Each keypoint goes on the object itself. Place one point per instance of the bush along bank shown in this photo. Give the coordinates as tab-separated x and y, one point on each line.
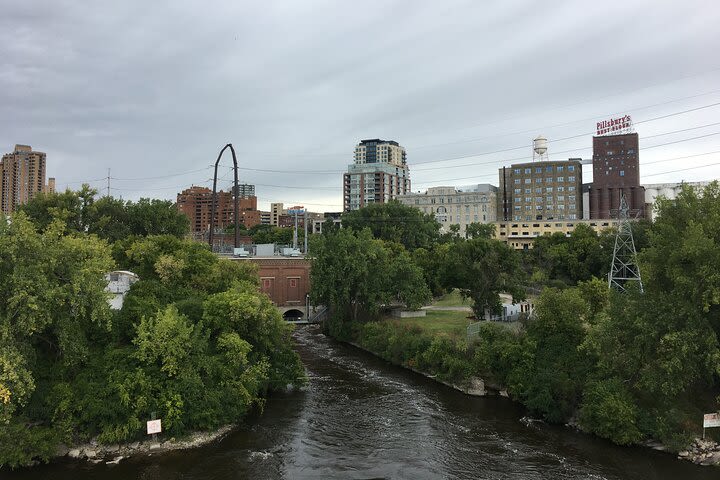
560	366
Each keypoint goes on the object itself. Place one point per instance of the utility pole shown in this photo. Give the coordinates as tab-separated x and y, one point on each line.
624	266
108	185
295	239
305	222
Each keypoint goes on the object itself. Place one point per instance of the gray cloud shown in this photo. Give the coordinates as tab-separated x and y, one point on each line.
150	89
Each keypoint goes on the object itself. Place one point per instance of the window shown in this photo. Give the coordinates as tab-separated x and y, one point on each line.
527	171
538	190
561	198
571	179
538	199
550	199
528	199
560	168
571	168
571	198
516	171
571	189
538	170
548	169
517	181
528	180
622	173
560	179
517	190
549	189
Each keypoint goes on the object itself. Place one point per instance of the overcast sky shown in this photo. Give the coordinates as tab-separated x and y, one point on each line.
153	90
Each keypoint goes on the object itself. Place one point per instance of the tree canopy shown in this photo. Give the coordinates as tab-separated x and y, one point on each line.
195	342
395	222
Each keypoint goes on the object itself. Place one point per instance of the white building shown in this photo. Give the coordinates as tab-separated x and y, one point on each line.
456	206
667	190
119	283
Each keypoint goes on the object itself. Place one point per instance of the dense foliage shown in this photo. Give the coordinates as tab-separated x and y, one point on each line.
626	366
196	344
356	274
395	222
109	218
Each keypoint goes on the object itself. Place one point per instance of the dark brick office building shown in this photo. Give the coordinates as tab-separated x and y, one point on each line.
616	169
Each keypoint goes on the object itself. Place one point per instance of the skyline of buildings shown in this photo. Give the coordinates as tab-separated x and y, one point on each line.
533	197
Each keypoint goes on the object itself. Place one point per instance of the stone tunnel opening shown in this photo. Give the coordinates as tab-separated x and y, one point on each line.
293	315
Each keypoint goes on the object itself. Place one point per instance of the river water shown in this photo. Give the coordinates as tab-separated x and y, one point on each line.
364	419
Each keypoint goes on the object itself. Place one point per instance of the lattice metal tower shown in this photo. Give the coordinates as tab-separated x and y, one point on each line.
624	266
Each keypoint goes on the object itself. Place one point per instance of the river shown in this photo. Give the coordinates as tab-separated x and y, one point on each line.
364	419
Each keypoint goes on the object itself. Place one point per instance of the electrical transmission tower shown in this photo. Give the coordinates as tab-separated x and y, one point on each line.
624	267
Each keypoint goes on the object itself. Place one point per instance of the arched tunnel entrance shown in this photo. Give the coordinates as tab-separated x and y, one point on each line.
293	315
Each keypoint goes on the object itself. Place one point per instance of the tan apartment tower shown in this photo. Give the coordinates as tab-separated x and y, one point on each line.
22	176
380	173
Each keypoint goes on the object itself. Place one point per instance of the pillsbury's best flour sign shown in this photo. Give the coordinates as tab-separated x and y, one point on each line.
615	126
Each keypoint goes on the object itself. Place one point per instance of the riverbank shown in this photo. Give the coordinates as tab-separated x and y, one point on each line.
113	454
445	361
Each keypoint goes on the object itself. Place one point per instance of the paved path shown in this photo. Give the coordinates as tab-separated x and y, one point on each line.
447	309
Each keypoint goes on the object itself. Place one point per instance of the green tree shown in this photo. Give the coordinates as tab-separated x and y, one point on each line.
156	217
69	207
551	374
395	222
482	269
356	274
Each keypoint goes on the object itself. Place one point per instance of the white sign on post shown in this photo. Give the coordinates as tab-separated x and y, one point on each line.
711	420
154	426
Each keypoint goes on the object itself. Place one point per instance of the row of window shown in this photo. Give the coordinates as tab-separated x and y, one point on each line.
458	199
559	189
547	169
560	198
445	219
559	206
547	180
529	218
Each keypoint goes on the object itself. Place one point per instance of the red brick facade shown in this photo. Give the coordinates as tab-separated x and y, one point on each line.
285	280
196	203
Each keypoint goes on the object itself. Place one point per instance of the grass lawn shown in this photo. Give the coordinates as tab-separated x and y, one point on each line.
437	322
452	299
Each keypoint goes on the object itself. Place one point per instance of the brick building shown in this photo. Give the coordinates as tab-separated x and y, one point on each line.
545	190
196	203
616	169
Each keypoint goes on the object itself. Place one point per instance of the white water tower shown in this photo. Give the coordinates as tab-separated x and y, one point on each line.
540	149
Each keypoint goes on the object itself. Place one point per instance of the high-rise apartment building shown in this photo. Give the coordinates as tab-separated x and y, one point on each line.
456	206
546	190
616	170
22	175
196	203
246	190
380	173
